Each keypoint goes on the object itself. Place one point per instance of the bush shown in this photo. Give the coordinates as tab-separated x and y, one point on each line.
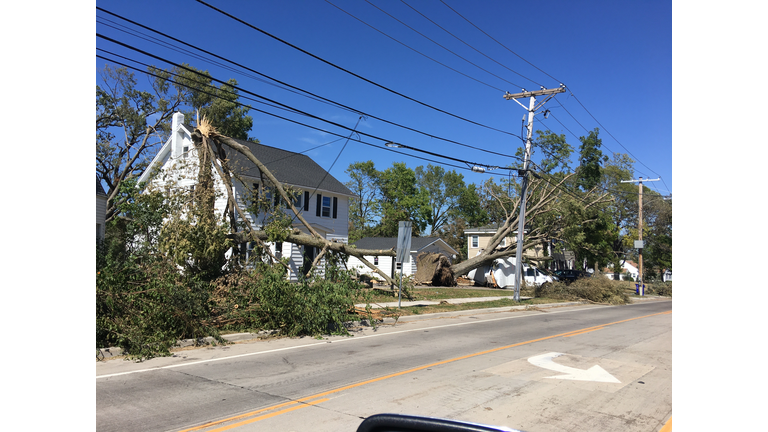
659	288
594	289
145	309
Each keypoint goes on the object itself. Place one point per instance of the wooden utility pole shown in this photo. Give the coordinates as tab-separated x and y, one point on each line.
640	224
532	107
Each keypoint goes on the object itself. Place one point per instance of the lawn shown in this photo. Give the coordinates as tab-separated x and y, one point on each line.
436	293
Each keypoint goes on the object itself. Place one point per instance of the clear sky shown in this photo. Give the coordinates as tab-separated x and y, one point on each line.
450	61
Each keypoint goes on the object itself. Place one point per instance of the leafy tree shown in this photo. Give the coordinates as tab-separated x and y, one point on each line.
365	209
402	200
555	150
444	190
591	158
132	121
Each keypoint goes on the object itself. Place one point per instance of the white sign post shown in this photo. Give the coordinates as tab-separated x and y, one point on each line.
403	252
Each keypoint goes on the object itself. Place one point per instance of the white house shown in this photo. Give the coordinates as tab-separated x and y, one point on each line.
385	263
628	269
321	198
101	210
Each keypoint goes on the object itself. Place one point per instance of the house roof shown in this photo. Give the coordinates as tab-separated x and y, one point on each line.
99	188
417	243
288	167
492	228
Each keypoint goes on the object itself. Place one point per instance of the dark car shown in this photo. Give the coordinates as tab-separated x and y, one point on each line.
569	276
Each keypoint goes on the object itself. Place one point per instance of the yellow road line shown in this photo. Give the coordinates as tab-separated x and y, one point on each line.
397	374
270	415
583	332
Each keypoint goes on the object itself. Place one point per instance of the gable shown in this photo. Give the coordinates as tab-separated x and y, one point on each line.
288	167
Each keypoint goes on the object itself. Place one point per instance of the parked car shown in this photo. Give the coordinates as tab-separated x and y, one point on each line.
501	274
569	276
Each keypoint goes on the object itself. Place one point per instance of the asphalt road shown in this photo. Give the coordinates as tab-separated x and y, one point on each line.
502	368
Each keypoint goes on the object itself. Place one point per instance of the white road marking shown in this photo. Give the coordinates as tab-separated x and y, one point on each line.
355	338
595	373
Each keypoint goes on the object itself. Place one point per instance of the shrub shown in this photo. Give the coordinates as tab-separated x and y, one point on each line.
594	289
659	288
145	309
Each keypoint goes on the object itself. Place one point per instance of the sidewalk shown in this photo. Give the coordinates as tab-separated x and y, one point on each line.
437	302
240	337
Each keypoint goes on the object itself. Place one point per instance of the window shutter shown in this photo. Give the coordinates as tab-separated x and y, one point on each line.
306	200
319	205
335	206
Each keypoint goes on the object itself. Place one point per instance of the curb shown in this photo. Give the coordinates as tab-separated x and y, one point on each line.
104	353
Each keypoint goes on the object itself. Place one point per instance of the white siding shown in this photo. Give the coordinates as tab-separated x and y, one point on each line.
101	212
179	171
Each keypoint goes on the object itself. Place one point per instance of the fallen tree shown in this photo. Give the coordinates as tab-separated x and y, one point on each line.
544	217
205	137
545	220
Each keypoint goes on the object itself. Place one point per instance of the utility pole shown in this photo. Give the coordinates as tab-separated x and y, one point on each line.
640	225
532	107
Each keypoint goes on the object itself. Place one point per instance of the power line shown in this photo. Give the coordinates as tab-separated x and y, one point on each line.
622	145
350	72
304	92
429	39
492	38
574	96
320	129
462	41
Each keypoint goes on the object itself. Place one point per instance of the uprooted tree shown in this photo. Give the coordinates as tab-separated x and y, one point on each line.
550	210
209	145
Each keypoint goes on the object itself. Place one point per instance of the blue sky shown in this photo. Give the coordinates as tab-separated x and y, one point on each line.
615	59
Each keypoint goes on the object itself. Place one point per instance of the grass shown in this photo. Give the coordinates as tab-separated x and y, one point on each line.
437	293
508	302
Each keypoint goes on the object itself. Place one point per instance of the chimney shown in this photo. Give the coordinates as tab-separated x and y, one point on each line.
176	138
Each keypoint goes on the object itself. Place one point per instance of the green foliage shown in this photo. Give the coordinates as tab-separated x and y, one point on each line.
659	288
145	307
264	298
365	208
591	159
402	200
597	289
132	121
445	190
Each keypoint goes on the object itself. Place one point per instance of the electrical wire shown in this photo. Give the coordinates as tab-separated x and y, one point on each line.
465	43
574	96
429	39
304	92
350	72
310	126
492	38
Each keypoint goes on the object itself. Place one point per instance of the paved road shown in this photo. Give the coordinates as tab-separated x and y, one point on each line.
496	368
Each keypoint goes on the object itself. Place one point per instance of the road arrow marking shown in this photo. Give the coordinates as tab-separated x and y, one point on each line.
595	373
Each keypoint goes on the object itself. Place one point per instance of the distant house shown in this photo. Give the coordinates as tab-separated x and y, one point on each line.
478	239
385	263
321	198
628	271
101	210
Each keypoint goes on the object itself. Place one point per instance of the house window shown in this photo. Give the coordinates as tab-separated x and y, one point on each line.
326	210
475	241
298	201
184	151
375	260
